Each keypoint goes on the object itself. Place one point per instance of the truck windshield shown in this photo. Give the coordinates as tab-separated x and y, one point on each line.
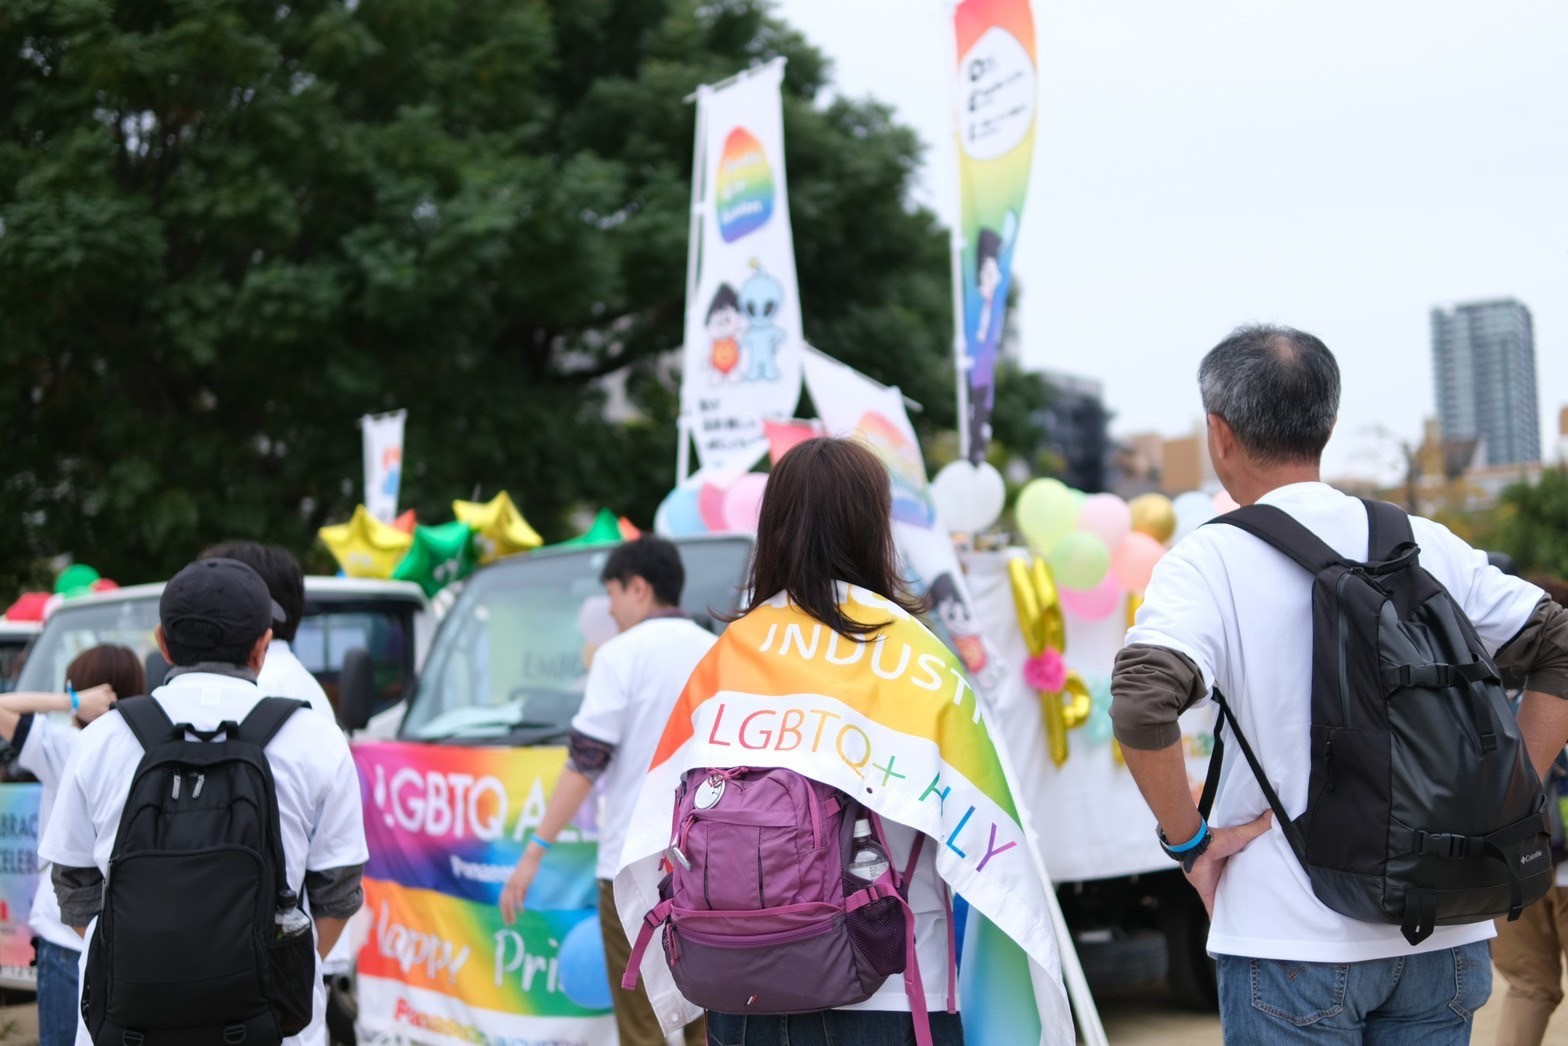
508	665
73	629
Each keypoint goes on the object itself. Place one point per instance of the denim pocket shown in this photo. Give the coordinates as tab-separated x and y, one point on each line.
1301	993
1472	979
726	1029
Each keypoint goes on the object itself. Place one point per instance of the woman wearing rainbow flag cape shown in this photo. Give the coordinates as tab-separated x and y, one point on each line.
830	694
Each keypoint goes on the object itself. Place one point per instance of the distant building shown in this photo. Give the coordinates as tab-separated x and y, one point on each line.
1075	426
1149	462
1483	359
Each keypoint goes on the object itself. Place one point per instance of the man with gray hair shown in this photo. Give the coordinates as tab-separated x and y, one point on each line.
1225	611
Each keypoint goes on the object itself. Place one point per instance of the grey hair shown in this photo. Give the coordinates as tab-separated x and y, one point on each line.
1278	390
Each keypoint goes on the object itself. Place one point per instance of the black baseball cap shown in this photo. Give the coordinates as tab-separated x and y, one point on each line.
216	605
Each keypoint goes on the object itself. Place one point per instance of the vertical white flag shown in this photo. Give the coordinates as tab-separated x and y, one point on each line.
383	462
743	337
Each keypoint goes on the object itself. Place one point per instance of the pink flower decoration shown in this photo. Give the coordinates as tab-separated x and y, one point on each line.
1046	672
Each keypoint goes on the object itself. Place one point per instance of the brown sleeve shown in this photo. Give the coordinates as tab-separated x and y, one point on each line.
1151	686
1539	653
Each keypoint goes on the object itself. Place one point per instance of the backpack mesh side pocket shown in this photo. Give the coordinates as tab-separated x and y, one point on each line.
877	931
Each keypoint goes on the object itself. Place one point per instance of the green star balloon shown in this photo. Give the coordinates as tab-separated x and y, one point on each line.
439	556
606	530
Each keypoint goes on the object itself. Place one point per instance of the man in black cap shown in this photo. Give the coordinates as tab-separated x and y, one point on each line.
215	621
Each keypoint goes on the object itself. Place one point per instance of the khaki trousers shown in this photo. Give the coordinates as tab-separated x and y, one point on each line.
634	1019
1528	953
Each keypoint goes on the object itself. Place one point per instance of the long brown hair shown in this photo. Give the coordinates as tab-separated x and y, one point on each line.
117	666
827	516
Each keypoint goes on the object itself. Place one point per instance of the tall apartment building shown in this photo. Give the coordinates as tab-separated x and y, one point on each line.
1483	357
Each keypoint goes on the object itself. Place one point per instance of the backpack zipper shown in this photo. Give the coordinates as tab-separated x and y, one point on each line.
201	779
176	792
1344	648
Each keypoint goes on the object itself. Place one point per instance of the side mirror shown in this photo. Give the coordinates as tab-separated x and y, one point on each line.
156	668
356	690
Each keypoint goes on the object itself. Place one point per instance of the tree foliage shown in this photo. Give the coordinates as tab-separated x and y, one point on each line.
228	228
1532	524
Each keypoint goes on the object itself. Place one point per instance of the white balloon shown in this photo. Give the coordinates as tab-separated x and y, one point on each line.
968	498
1193	509
594	621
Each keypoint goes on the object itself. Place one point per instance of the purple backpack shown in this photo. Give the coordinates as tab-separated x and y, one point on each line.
760	911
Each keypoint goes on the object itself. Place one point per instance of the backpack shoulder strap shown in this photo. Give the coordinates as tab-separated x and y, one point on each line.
1388	527
147	720
1277	528
1211	781
266	719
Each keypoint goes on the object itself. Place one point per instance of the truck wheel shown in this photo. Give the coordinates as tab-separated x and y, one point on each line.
1189	969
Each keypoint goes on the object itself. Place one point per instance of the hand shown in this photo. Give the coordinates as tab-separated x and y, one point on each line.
94	702
1205	874
517	884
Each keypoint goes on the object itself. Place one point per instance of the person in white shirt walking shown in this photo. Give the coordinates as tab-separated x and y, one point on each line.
282	674
1225	611
633	684
94	679
214	629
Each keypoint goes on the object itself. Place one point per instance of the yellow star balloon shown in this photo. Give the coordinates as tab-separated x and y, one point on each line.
499	528
365	546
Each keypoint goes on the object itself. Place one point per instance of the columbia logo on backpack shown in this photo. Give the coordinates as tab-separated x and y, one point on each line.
1423	809
199	940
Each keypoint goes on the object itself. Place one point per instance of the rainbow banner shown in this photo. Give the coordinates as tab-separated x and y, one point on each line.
743	335
996	92
894	722
445	826
18	876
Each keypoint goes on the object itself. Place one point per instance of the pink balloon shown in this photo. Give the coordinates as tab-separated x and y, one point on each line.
1107	517
1132	562
710	506
743	503
1098	602
1224	503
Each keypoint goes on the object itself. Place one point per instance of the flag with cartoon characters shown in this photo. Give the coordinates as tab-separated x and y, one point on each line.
743	337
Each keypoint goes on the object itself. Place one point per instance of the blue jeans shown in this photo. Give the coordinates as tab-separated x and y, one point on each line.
1413	1000
57	1010
829	1028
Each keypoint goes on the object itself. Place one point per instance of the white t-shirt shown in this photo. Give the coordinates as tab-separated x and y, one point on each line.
45	751
1243	613
283	675
317	790
633	685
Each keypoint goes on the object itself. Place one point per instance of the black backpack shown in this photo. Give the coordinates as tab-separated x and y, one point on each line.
1422	806
186	951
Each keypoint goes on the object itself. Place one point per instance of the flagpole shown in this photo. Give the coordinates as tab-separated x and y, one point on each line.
956	250
693	269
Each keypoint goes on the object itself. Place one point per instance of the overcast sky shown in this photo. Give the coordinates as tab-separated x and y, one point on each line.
1336	165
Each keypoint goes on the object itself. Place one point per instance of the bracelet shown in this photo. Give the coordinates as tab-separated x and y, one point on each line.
76	701
1203	829
544	843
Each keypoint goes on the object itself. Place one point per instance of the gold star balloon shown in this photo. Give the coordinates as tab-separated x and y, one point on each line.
365	546
499	528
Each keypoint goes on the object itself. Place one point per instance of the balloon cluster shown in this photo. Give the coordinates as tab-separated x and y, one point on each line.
968	497
76	580
707	506
1091	551
435	556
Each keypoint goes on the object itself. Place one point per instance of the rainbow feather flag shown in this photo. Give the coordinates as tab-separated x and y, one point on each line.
892	721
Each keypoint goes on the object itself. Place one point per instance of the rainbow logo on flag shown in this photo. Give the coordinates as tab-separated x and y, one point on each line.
744	190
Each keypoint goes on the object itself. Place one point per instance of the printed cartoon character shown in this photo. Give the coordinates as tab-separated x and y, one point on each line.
982	375
761	297
724	325
956	617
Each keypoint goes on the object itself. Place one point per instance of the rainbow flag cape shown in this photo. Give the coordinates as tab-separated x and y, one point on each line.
894	723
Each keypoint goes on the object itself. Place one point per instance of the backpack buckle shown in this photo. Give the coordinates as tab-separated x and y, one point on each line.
131	1038
1443	844
234	1034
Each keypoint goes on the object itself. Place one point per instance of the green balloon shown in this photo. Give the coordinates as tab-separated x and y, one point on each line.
439	556
75	580
605	530
1046	512
1079	560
